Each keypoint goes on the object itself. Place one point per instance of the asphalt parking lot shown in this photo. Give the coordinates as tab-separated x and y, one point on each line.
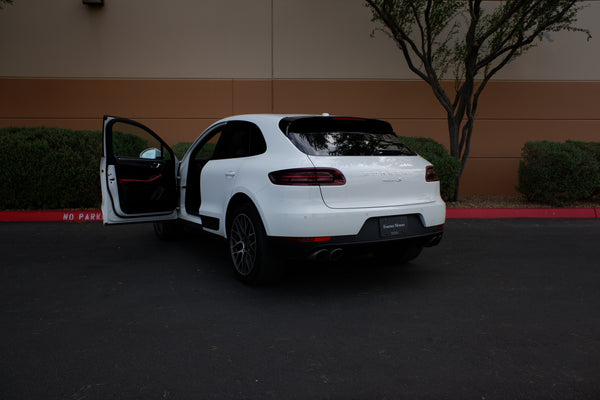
501	309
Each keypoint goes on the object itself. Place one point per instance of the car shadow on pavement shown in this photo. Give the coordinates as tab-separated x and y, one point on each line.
349	273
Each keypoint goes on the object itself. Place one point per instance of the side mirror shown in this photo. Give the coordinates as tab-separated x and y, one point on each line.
151	154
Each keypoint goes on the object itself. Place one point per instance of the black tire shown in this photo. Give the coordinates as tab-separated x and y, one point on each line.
166	230
251	258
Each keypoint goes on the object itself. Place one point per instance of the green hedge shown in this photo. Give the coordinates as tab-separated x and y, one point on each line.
180	148
559	173
49	168
125	144
446	166
54	168
592	148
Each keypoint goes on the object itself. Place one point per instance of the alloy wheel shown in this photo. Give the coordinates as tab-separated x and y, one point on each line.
243	245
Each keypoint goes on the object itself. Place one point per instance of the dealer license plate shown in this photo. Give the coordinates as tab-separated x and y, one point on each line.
393	226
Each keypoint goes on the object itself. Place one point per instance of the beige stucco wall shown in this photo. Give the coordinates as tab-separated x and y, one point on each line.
136	39
280	39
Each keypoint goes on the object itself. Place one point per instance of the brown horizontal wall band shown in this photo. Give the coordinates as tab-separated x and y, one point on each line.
511	113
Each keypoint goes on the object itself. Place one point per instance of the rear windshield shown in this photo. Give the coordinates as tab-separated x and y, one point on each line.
340	136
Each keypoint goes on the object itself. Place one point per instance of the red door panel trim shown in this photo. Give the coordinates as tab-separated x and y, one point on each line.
149	180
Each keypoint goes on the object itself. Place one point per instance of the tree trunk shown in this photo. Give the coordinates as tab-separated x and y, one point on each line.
454	133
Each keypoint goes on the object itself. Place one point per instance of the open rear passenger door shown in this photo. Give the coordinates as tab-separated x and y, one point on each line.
138	174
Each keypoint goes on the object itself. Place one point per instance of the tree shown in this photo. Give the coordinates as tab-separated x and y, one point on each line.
5	1
472	42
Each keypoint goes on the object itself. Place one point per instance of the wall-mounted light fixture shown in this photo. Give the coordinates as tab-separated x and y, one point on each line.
96	3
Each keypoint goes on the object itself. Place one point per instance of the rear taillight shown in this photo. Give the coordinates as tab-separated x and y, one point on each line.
308	177
430	175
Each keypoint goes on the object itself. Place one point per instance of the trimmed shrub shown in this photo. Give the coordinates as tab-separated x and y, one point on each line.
446	166
125	144
558	173
49	168
54	168
180	148
592	148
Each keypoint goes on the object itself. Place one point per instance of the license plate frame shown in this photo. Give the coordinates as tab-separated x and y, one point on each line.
393	226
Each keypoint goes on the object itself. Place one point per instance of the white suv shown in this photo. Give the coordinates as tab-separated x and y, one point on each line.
314	184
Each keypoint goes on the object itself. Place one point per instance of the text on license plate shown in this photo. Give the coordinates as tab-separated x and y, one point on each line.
393	226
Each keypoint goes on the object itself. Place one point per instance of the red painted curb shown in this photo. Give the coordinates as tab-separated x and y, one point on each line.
51	216
522	213
451	213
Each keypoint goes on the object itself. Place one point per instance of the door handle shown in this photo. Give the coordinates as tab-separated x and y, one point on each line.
230	174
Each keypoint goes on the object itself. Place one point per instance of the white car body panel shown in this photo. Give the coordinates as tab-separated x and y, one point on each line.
218	180
377	186
378	181
313	218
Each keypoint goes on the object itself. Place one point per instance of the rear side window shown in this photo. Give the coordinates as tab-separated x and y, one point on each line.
240	139
341	136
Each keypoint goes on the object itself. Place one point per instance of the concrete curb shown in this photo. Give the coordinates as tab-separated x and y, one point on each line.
451	213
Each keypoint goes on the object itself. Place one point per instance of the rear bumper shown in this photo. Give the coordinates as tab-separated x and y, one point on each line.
369	237
301	217
371	233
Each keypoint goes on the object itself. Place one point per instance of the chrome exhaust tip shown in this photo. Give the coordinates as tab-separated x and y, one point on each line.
434	241
319	255
336	254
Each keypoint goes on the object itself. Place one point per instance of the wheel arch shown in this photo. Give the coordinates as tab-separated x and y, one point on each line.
235	201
